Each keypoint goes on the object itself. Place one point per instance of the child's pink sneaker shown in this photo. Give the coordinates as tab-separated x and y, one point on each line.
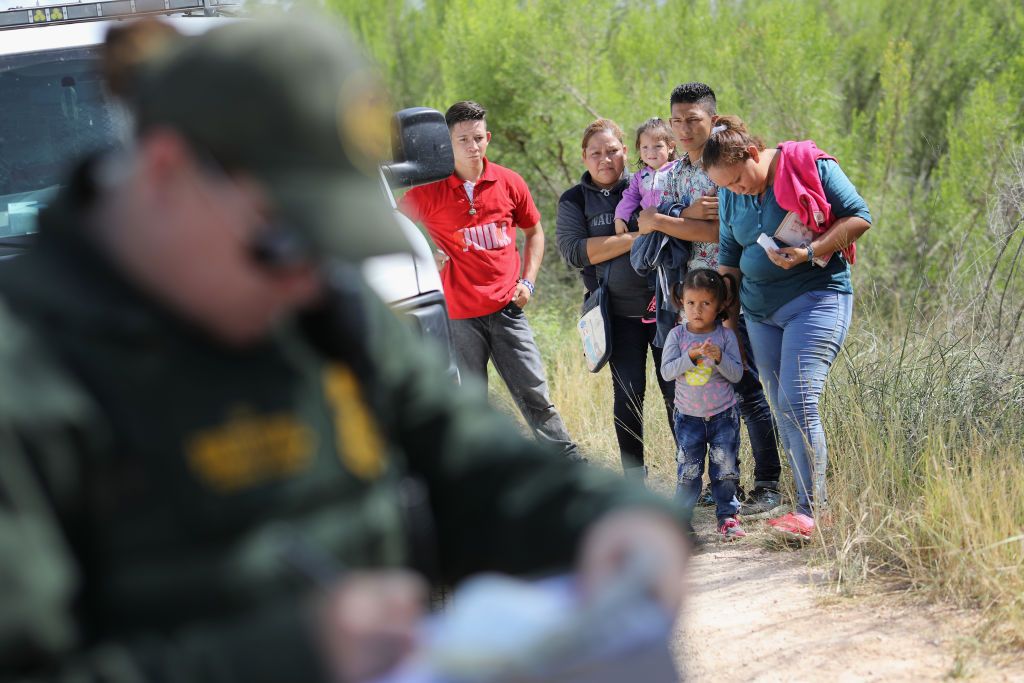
730	529
793	525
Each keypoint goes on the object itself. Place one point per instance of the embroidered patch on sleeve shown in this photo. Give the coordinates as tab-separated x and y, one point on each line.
250	449
359	442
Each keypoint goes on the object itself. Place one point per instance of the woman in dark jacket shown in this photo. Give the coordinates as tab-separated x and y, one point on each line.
587	240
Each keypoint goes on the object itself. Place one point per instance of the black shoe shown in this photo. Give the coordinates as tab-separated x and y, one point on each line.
762	504
706	499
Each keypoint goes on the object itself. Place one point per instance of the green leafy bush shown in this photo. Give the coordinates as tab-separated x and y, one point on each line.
922	104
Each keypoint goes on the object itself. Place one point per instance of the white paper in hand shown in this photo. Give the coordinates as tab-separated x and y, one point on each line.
767	243
793	233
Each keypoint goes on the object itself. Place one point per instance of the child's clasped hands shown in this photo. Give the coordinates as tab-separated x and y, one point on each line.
707	349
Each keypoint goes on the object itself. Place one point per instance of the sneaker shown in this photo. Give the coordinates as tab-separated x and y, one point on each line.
706	499
762	504
730	529
794	526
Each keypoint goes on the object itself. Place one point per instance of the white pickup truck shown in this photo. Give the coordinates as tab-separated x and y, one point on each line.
54	110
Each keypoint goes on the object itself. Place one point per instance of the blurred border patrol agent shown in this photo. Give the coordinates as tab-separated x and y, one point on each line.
184	459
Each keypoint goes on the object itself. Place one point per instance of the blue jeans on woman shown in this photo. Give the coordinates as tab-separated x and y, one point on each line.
718	439
794	349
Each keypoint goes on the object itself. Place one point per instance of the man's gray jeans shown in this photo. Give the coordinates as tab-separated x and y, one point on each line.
506	338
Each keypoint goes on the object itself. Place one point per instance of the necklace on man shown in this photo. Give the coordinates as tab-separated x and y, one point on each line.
468	187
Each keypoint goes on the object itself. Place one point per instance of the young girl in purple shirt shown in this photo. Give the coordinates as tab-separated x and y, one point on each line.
648	187
704	359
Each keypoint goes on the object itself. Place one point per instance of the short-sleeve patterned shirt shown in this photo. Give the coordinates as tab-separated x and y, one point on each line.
686	183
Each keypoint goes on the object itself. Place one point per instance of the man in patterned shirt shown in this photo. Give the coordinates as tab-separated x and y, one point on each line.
693	112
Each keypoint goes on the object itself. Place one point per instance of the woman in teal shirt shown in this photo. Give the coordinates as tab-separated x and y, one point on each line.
797	313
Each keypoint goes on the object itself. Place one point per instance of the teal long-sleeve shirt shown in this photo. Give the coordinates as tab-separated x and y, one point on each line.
765	286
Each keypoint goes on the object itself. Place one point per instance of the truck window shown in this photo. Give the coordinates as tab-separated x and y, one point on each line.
53	111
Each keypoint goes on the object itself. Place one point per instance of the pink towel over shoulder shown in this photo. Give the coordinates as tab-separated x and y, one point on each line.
798	187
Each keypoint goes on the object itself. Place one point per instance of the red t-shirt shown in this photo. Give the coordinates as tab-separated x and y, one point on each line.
483	268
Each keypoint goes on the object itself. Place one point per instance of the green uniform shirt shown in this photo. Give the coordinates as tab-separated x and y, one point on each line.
201	479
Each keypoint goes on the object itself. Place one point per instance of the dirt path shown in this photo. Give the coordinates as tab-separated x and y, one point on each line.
755	613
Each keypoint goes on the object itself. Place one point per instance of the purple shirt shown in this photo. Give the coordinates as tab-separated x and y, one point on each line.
705	388
647	188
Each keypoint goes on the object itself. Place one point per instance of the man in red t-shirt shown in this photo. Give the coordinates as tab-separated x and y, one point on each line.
472	217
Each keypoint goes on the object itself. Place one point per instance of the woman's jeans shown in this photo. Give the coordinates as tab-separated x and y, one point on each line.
630	341
794	349
716	438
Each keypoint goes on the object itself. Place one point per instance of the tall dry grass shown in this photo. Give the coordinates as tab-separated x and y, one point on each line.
585	400
923	413
926	455
925	424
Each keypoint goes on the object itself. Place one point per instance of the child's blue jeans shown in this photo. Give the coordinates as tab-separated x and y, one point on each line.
718	438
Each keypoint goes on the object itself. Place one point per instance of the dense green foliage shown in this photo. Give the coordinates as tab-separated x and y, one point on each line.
922	104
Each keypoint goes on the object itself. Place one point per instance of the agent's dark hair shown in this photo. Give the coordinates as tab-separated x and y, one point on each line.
466	110
695	93
660	131
722	286
729	143
600	126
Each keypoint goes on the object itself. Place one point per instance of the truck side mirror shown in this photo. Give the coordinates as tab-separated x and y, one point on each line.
421	148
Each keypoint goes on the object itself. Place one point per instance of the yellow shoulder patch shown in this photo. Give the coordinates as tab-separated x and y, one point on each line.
359	442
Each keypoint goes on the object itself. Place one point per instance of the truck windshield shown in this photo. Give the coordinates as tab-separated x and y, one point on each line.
53	111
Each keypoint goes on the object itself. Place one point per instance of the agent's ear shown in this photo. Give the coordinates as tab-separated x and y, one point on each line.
163	158
754	153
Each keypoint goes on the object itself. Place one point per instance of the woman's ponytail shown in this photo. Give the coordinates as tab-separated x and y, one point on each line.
729	143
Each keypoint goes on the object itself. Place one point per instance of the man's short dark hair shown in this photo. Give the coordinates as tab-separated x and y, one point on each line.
695	93
466	110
